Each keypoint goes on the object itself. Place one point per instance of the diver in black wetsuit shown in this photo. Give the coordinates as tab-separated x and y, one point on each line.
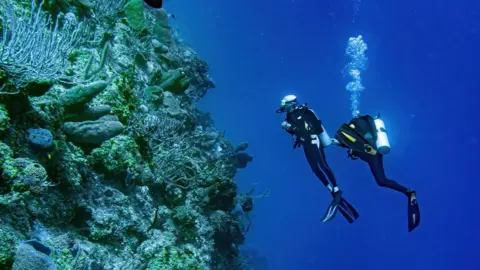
302	123
376	166
362	137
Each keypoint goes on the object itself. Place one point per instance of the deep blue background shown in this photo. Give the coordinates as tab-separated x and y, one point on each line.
423	77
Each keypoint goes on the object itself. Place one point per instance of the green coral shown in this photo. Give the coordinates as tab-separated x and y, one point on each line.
9	167
6	153
30	176
25	176
4	118
129	101
7	247
172	258
104	230
63	259
121	97
116	155
134	14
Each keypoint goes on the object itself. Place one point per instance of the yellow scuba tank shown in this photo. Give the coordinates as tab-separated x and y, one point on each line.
382	143
325	138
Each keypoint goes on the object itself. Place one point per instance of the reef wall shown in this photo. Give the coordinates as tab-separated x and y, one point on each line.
106	163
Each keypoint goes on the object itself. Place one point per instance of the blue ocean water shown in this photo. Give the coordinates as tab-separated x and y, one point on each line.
422	76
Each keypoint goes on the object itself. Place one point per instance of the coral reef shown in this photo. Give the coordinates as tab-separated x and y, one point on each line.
105	161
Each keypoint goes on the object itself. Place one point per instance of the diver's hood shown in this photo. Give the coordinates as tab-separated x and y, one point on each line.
287	99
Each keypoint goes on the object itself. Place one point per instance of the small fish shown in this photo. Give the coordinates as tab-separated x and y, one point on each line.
154	3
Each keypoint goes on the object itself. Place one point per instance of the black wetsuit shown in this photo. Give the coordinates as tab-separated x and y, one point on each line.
376	166
360	137
307	127
365	126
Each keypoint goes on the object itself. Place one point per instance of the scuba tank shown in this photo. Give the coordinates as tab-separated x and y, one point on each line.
382	143
325	138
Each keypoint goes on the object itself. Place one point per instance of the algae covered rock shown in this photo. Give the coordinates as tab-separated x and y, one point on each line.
28	257
117	217
174	258
70	164
185	218
173	106
116	155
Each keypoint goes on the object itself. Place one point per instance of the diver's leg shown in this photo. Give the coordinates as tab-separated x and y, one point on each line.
322	162
312	155
376	166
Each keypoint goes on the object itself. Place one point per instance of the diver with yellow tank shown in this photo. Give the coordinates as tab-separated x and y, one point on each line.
366	138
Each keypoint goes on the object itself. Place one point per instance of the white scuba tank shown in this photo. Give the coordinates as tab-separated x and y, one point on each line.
325	138
383	145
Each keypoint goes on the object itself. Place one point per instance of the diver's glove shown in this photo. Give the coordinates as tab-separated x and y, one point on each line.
351	155
289	127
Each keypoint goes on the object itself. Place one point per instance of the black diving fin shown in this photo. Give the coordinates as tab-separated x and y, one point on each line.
413	211
346	209
331	212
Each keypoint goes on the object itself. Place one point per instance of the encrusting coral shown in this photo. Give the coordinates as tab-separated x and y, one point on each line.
106	163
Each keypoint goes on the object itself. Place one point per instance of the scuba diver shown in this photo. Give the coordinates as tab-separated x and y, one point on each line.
302	123
366	138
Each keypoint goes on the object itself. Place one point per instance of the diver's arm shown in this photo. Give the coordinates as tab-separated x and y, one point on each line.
292	130
289	127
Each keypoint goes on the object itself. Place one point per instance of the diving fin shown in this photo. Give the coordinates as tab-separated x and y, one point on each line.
348	211
413	211
331	211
